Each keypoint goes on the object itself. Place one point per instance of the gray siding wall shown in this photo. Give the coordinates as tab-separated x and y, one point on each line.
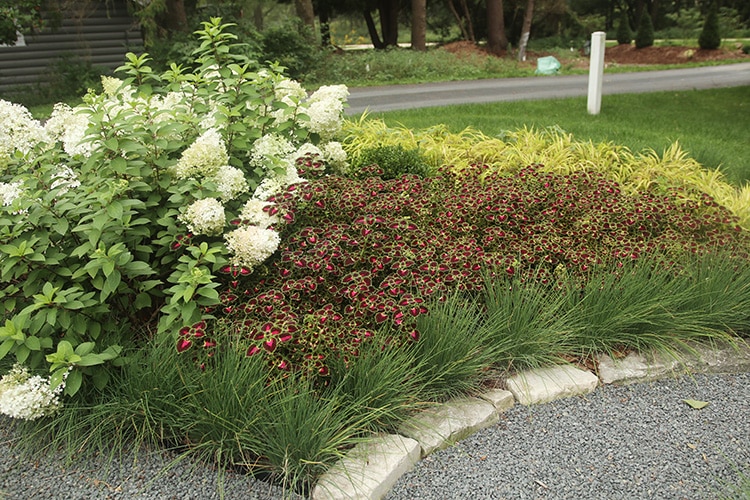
101	38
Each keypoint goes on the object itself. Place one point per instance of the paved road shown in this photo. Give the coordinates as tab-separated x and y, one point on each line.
395	97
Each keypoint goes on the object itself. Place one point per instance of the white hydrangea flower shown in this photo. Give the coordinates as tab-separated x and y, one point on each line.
253	213
268	149
230	182
289	91
111	85
18	129
335	156
306	148
9	192
274	184
204	216
251	245
203	157
69	126
28	397
65	178
325	107
325	119
330	93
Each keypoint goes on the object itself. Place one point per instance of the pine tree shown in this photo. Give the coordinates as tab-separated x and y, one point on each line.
624	33
645	35
709	37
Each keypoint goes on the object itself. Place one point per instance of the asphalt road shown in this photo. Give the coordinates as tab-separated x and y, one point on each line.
388	98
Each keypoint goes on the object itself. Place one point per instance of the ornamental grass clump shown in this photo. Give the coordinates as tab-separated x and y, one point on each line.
128	205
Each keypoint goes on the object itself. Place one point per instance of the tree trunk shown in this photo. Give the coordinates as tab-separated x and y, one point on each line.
325	25
304	9
175	16
526	30
388	10
469	23
459	20
419	25
497	42
258	17
373	31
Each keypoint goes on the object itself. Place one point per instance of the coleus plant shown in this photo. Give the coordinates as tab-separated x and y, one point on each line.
356	255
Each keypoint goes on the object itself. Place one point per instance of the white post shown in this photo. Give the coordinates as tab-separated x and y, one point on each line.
596	72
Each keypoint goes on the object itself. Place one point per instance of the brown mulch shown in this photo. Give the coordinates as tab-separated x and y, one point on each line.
621	54
628	54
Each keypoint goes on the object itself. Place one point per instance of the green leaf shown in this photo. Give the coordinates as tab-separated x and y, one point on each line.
142	300
90	360
6	346
22	353
114	210
33	343
73	383
119	165
698	405
100	379
57	377
85	348
111	143
61	227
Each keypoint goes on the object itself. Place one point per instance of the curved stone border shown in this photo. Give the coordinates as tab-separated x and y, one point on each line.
370	469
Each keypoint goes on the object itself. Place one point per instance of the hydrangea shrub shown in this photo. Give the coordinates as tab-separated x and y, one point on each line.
117	214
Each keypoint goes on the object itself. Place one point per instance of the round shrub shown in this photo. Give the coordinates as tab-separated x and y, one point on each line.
392	161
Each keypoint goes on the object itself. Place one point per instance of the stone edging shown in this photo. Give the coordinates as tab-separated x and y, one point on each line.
370	469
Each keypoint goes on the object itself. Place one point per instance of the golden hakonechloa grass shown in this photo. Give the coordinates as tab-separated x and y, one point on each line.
559	152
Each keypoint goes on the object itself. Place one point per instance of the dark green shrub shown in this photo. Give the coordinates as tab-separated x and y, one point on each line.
624	33
291	45
709	38
746	49
180	48
393	161
66	79
645	35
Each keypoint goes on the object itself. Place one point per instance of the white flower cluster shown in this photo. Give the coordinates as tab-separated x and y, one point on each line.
65	179
230	182
19	131
9	192
69	127
269	150
335	156
28	397
253	213
204	216
275	184
251	245
206	155
325	108
289	92
113	86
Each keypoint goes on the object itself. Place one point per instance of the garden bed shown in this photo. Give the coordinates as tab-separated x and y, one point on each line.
286	284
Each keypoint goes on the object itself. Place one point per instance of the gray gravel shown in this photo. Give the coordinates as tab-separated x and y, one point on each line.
630	442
